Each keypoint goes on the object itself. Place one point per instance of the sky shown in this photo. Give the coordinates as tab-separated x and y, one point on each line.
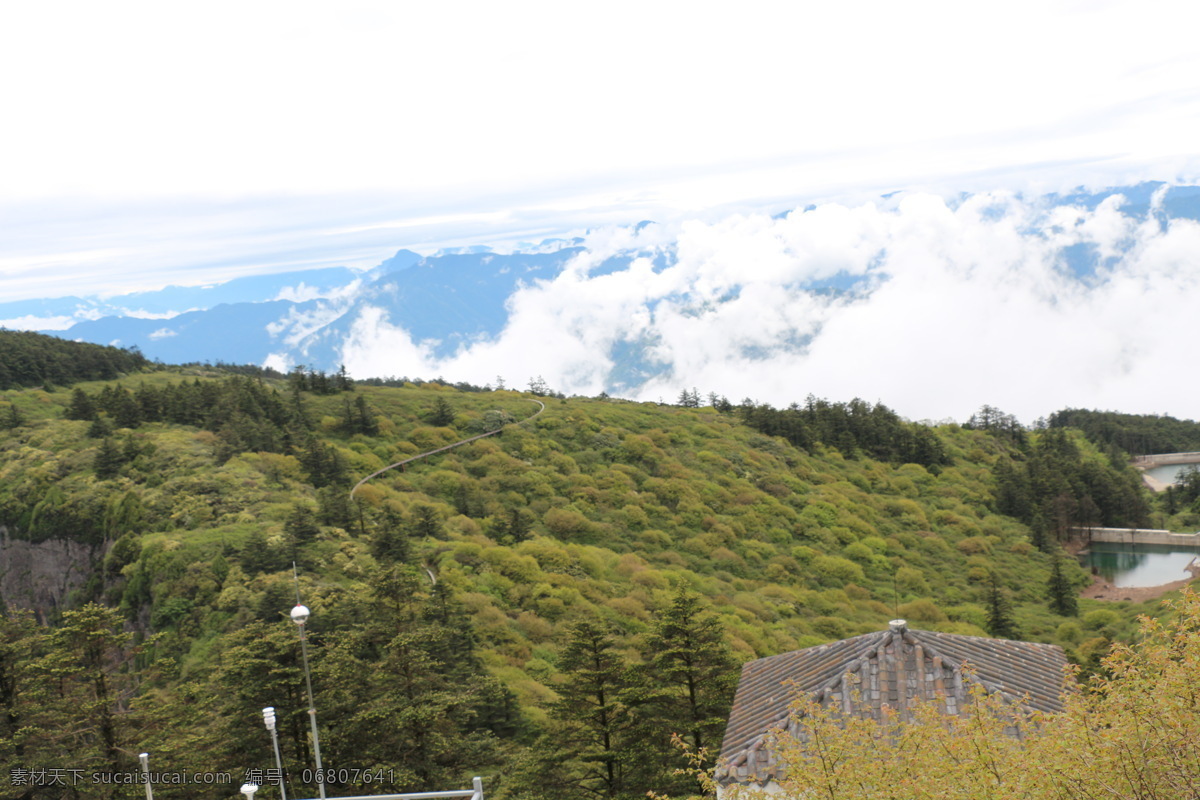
187	143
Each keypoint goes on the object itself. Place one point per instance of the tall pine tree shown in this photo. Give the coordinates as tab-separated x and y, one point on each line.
1063	600
692	671
108	460
1000	620
597	724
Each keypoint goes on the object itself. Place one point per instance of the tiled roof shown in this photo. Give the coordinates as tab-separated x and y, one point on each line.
895	668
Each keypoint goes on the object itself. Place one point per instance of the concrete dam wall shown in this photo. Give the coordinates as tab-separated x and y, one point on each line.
1165	459
1140	536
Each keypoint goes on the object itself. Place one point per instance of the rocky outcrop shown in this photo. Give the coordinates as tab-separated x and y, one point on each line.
40	576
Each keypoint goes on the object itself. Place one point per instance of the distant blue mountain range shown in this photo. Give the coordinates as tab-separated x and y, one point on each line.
444	301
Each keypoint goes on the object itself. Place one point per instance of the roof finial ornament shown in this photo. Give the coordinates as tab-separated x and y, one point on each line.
898	625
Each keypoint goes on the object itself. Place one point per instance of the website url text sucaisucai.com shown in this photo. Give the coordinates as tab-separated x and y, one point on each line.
75	777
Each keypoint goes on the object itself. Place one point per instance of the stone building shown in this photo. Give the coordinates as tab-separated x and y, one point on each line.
896	667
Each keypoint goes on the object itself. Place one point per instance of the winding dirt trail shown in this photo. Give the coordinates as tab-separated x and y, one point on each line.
447	447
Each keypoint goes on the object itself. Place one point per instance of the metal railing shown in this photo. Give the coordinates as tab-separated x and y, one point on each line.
468	440
474	793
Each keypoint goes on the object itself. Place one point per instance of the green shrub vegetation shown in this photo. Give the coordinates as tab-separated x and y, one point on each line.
545	607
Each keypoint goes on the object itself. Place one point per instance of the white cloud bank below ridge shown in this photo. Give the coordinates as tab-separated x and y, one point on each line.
955	306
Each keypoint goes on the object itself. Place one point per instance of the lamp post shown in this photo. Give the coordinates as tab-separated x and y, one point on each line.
249	789
300	616
269	719
145	759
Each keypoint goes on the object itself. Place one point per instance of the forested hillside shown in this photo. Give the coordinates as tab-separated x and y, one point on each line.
545	607
1141	434
33	359
1136	434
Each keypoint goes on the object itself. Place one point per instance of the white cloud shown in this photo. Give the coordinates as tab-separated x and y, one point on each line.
302	292
278	362
87	312
876	77
29	322
298	324
245	164
138	313
163	333
376	347
965	305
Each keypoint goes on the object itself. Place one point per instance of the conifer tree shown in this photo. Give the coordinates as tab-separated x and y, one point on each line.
342	380
1039	534
518	527
301	525
319	383
598	727
456	646
13	418
389	541
150	403
513	528
442	414
108	460
334	507
127	414
322	463
1063	600
298	379
365	420
1012	490
84	687
1000	620
425	522
401	705
100	428
130	449
691	669
256	666
348	424
22	640
81	406
689	398
257	555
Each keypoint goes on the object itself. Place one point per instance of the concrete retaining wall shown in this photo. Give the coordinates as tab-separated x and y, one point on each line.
1140	536
1163	459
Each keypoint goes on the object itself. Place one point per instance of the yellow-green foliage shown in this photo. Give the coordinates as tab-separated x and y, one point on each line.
623	503
1136	734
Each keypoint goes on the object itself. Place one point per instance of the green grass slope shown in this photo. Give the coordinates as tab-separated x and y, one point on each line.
599	510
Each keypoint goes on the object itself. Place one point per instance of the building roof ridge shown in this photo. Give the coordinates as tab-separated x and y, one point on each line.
886	666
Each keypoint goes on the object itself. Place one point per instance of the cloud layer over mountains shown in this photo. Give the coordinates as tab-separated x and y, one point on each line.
933	308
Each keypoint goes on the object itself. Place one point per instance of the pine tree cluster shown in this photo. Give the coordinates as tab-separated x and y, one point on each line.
854	428
1050	487
34	359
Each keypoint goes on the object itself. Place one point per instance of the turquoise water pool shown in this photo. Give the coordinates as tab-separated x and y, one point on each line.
1133	565
1168	472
